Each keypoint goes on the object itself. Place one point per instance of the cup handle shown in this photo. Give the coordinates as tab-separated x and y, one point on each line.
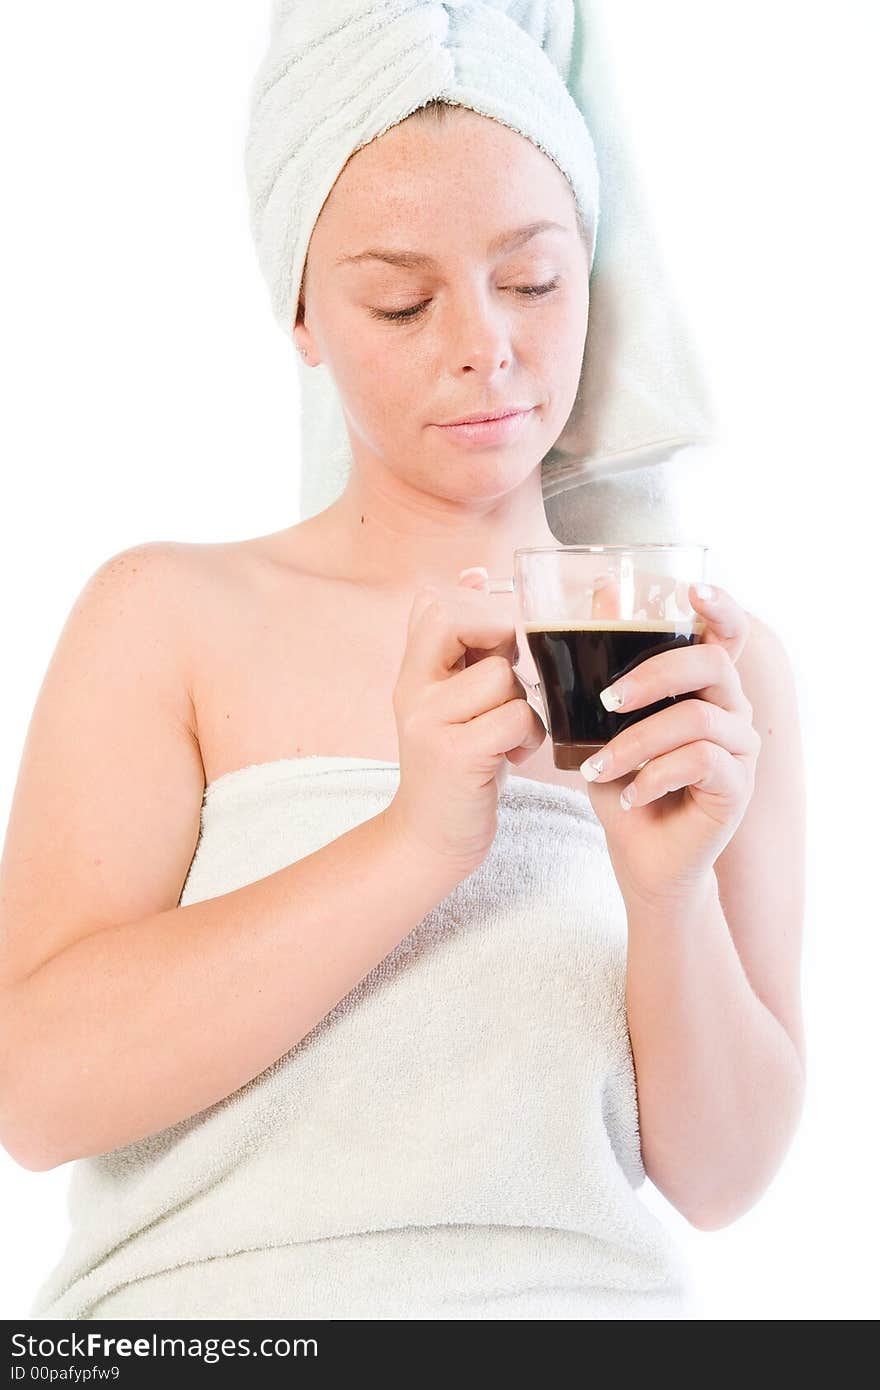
507	585
535	693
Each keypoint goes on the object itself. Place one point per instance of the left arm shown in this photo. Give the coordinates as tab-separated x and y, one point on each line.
713	994
713	963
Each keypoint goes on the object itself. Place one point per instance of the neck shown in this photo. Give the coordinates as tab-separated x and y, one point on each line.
387	535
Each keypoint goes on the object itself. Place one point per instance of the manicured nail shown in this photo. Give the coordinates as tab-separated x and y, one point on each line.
625	797
591	767
613	696
474	569
706	592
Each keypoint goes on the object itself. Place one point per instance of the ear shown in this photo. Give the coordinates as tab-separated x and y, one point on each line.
304	338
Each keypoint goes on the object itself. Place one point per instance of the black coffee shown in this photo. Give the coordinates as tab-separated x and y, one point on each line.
575	662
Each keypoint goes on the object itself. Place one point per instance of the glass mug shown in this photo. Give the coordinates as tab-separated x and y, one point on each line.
590	614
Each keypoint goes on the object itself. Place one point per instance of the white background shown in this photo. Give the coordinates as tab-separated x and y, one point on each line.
150	395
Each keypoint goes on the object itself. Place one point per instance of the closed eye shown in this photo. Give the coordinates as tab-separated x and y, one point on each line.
407	315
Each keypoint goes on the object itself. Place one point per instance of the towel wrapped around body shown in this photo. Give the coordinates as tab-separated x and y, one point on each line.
457	1139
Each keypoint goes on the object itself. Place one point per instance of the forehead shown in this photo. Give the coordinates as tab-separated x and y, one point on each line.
467	176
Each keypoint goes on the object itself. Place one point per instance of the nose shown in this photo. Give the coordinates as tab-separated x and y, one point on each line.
480	334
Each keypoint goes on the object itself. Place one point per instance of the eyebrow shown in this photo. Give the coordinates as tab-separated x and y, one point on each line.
416	260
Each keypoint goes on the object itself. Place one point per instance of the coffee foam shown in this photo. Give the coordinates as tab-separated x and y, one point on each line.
618	625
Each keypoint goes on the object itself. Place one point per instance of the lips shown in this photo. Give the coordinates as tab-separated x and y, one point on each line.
499	429
490	415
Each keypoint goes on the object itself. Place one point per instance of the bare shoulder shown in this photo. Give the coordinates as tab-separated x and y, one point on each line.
189	578
181	590
765	668
769	682
144	580
216	598
761	632
145	567
252	563
154	580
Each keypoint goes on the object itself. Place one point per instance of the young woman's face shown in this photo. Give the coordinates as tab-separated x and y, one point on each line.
461	324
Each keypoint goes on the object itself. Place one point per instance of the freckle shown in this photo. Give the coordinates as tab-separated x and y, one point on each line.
362	521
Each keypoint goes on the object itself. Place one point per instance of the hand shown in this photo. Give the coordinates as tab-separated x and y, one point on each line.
699	758
461	712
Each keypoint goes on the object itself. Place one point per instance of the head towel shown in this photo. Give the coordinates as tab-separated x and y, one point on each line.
338	74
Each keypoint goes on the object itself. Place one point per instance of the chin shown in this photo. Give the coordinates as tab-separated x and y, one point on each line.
484	476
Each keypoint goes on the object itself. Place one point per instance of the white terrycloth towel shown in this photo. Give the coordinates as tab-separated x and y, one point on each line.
337	75
458	1138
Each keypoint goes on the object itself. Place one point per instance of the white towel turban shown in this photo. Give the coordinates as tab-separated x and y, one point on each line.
337	74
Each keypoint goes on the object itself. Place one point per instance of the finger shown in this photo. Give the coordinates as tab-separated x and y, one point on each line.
444	626
511	728
657	596
426	593
707	768
652	596
705	670
690	721
477	577
606	596
478	688
535	736
726	622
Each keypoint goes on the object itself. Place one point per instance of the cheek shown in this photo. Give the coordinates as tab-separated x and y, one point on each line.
381	383
556	364
554	346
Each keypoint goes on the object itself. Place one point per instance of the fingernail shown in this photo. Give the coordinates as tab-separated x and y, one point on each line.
613	696
706	592
626	797
474	569
591	767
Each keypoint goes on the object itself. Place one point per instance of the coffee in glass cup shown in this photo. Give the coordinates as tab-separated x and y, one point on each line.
589	615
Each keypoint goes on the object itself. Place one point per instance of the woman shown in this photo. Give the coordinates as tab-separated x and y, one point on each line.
374	1060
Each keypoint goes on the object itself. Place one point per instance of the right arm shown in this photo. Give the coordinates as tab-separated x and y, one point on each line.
120	1012
123	1013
